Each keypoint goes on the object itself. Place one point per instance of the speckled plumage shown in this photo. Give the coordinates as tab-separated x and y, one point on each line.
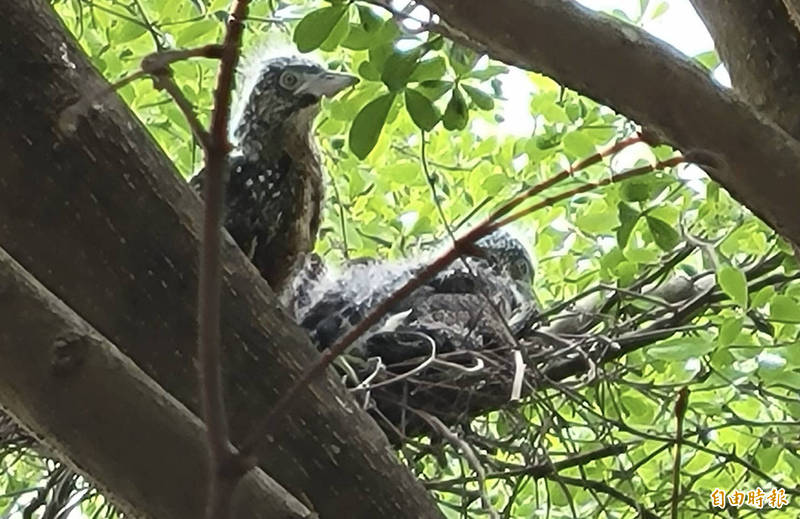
275	182
467	306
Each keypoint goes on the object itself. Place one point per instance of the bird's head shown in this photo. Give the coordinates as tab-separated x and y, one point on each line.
286	90
507	256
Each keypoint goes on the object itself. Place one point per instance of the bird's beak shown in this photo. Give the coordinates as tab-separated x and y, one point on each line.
326	84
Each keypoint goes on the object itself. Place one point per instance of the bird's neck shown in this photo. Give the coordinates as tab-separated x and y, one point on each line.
261	142
267	141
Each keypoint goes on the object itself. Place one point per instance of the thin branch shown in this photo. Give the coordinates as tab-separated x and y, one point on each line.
681	405
223	472
535	471
163	80
462	245
599	486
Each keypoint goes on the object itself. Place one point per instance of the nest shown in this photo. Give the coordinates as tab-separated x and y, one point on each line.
421	394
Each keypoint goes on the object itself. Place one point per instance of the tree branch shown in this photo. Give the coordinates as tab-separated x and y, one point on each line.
224	472
760	47
625	68
95	408
99	215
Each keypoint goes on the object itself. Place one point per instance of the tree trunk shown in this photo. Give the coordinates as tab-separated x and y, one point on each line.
95	211
104	415
761	50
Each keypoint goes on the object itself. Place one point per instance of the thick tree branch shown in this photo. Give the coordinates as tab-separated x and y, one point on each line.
625	68
97	213
104	415
761	50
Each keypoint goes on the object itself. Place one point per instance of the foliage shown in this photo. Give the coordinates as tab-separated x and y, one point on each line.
425	128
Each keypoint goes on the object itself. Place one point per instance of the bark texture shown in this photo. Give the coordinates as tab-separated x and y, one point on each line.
625	68
104	415
95	211
760	47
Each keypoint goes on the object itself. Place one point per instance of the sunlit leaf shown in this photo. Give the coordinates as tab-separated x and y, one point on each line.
730	330
784	308
660	9
681	349
709	59
578	144
733	282
203	29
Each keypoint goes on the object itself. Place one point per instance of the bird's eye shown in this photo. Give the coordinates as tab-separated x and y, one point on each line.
288	80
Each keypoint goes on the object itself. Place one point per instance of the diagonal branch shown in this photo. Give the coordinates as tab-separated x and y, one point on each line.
102	413
98	214
627	69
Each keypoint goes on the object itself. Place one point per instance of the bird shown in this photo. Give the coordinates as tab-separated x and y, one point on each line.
471	305
275	184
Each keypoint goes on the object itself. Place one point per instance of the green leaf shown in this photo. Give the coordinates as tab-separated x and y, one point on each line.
493	184
435	89
681	349
665	236
357	38
398	68
638	409
316	26
194	32
659	10
730	330
368	71
709	59
421	109
131	31
456	113
378	54
784	308
481	99
489	72
371	22
628	217
635	190
462	59
430	69
734	284
597	218
337	35
578	144
368	123
763	296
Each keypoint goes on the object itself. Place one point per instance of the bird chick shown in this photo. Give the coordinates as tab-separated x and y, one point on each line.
275	182
468	305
